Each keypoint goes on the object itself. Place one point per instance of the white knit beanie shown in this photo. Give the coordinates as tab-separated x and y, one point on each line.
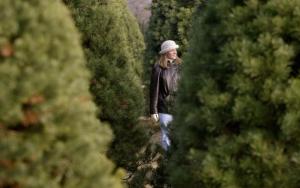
167	46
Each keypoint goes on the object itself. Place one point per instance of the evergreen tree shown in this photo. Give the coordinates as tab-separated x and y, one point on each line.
238	121
114	48
50	136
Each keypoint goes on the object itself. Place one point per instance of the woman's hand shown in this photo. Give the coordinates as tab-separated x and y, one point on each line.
155	117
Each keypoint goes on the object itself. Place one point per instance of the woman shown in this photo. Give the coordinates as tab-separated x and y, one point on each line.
163	87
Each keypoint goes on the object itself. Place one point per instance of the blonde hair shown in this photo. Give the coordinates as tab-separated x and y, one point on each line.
163	61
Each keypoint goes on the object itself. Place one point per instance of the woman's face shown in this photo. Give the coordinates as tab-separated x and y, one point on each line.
172	54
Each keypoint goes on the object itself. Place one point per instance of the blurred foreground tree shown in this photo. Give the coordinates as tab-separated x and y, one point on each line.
50	136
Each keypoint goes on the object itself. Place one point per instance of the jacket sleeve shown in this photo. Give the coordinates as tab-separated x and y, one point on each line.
154	88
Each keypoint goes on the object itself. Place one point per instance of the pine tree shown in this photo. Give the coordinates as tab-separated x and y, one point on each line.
50	136
114	48
238	121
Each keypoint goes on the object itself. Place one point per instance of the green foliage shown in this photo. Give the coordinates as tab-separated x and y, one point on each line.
50	136
238	111
114	48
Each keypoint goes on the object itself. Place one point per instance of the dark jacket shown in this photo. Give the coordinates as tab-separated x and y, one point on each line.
163	87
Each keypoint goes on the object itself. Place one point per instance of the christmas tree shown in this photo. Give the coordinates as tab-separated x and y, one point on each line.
50	136
114	46
238	121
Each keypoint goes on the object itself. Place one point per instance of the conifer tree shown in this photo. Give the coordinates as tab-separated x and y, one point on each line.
238	121
114	48
50	136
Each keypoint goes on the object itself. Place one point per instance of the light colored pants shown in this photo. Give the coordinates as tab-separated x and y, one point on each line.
164	121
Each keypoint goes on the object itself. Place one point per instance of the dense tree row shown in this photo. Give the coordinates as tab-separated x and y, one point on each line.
237	116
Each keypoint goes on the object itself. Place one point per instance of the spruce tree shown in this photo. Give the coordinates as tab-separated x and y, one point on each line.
50	136
238	111
114	48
